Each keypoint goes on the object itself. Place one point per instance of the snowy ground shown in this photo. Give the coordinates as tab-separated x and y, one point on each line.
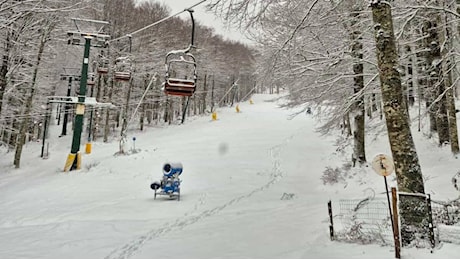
236	171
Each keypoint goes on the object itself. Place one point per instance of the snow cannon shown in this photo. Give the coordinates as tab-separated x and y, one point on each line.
170	183
170	169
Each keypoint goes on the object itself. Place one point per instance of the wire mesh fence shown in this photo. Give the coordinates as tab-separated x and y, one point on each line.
446	213
446	219
368	221
365	221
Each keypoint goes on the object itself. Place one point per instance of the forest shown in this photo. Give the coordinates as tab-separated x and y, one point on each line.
351	60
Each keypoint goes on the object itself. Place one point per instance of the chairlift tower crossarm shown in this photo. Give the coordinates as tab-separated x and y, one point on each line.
101	38
99	22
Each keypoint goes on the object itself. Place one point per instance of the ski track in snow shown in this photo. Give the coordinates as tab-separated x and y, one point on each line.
135	245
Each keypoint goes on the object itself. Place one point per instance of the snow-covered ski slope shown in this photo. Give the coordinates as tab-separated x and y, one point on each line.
251	188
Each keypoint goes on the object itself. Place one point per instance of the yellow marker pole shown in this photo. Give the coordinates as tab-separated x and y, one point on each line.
251	102
214	116
88	148
237	108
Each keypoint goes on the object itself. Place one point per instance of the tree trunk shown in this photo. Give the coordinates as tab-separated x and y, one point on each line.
407	166
410	78
369	106
101	83
346	129
437	34
124	124
117	118
458	12
144	105
203	97
4	69
168	112
359	152
448	68
429	35
441	115
28	104
212	93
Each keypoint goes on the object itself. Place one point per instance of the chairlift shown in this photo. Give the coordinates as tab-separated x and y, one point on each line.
180	86
122	69
185	85
103	66
73	39
101	42
122	75
90	81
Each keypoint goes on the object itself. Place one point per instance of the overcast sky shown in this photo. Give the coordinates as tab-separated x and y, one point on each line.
206	18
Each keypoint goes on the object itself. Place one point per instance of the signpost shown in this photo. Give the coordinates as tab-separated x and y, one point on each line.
384	166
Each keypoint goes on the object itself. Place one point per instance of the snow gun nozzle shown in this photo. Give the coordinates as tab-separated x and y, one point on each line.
169	169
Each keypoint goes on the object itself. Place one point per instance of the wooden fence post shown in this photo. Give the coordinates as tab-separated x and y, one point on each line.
331	223
396	223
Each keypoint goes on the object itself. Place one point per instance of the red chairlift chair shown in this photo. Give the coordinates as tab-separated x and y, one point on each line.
180	86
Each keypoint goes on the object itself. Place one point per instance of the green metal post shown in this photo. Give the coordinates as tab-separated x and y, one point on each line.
73	161
91	115
45	127
66	108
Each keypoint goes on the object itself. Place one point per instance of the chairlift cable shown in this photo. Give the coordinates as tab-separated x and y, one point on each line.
233	85
250	92
140	102
158	22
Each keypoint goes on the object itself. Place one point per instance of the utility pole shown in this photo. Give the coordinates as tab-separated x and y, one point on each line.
74	159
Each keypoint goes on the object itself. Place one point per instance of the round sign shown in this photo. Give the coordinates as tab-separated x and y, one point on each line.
383	165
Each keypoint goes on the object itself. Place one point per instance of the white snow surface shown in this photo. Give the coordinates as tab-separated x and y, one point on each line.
236	170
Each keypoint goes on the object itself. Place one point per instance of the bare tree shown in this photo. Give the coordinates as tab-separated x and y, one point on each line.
447	75
359	152
407	166
46	25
